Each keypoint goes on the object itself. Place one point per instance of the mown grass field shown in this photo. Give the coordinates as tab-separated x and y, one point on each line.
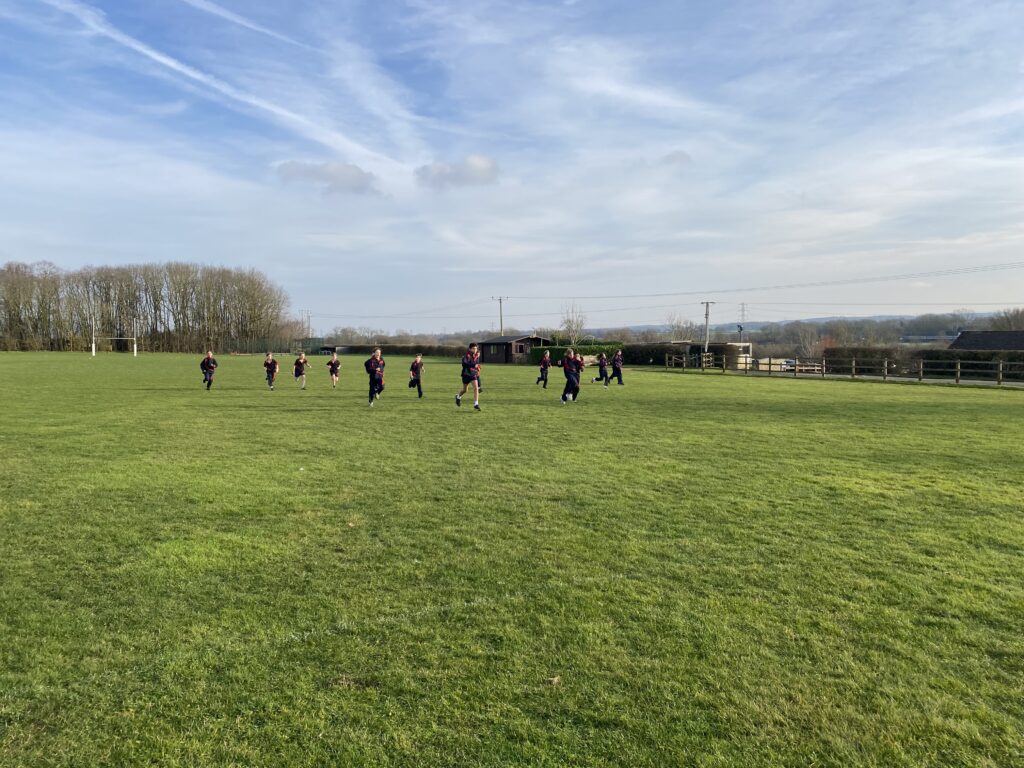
688	570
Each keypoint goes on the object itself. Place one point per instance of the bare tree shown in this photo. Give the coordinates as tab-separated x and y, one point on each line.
573	323
1008	320
172	307
681	329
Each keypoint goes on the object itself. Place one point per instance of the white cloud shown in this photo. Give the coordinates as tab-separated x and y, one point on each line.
335	178
474	171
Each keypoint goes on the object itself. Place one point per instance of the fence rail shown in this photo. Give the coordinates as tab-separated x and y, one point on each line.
956	371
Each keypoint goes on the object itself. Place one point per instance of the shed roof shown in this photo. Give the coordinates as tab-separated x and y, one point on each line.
510	339
989	340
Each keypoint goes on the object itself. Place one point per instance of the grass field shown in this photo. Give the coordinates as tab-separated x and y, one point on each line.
688	570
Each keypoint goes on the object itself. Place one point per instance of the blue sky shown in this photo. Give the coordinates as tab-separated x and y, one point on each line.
378	159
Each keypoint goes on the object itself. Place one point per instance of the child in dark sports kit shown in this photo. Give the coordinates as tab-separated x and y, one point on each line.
616	367
415	375
470	376
208	366
580	365
375	368
271	366
602	376
545	364
300	369
572	376
333	365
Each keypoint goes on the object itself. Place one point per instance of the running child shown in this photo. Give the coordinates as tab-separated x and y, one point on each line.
333	365
602	376
470	375
272	366
572	376
375	369
300	369
545	363
416	374
580	365
208	366
616	367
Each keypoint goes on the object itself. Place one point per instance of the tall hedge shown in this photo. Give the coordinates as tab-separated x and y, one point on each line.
427	350
632	354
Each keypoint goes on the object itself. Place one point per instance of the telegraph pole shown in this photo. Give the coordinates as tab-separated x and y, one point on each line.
707	323
501	313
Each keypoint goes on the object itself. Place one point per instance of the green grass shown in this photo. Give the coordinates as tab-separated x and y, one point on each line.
719	571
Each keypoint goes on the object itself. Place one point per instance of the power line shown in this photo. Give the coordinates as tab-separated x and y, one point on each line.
426	314
959	303
816	284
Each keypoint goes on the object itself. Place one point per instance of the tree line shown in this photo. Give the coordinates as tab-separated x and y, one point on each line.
172	307
809	339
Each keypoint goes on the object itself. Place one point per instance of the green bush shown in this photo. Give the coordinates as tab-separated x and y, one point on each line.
410	350
557	353
632	354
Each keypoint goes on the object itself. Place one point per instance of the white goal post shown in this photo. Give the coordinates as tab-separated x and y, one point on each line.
133	339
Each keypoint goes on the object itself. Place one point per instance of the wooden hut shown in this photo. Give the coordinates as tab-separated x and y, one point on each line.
510	349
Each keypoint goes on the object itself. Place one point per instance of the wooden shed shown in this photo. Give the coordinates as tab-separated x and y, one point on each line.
510	349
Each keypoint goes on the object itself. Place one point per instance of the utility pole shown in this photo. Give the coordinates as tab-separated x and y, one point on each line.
501	313
707	323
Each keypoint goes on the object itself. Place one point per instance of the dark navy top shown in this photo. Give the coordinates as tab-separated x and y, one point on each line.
471	365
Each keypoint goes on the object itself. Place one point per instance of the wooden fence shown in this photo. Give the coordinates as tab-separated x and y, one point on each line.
956	371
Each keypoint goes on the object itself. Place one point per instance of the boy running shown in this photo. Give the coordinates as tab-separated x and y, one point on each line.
580	365
572	376
208	366
470	375
300	369
271	365
545	363
603	377
415	374
375	368
333	365
616	367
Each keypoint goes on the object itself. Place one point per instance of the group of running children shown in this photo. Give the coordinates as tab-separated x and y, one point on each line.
572	366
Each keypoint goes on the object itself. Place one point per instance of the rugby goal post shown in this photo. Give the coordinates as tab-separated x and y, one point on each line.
133	339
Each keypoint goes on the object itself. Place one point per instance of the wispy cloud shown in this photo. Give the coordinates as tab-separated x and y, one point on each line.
94	20
242	21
